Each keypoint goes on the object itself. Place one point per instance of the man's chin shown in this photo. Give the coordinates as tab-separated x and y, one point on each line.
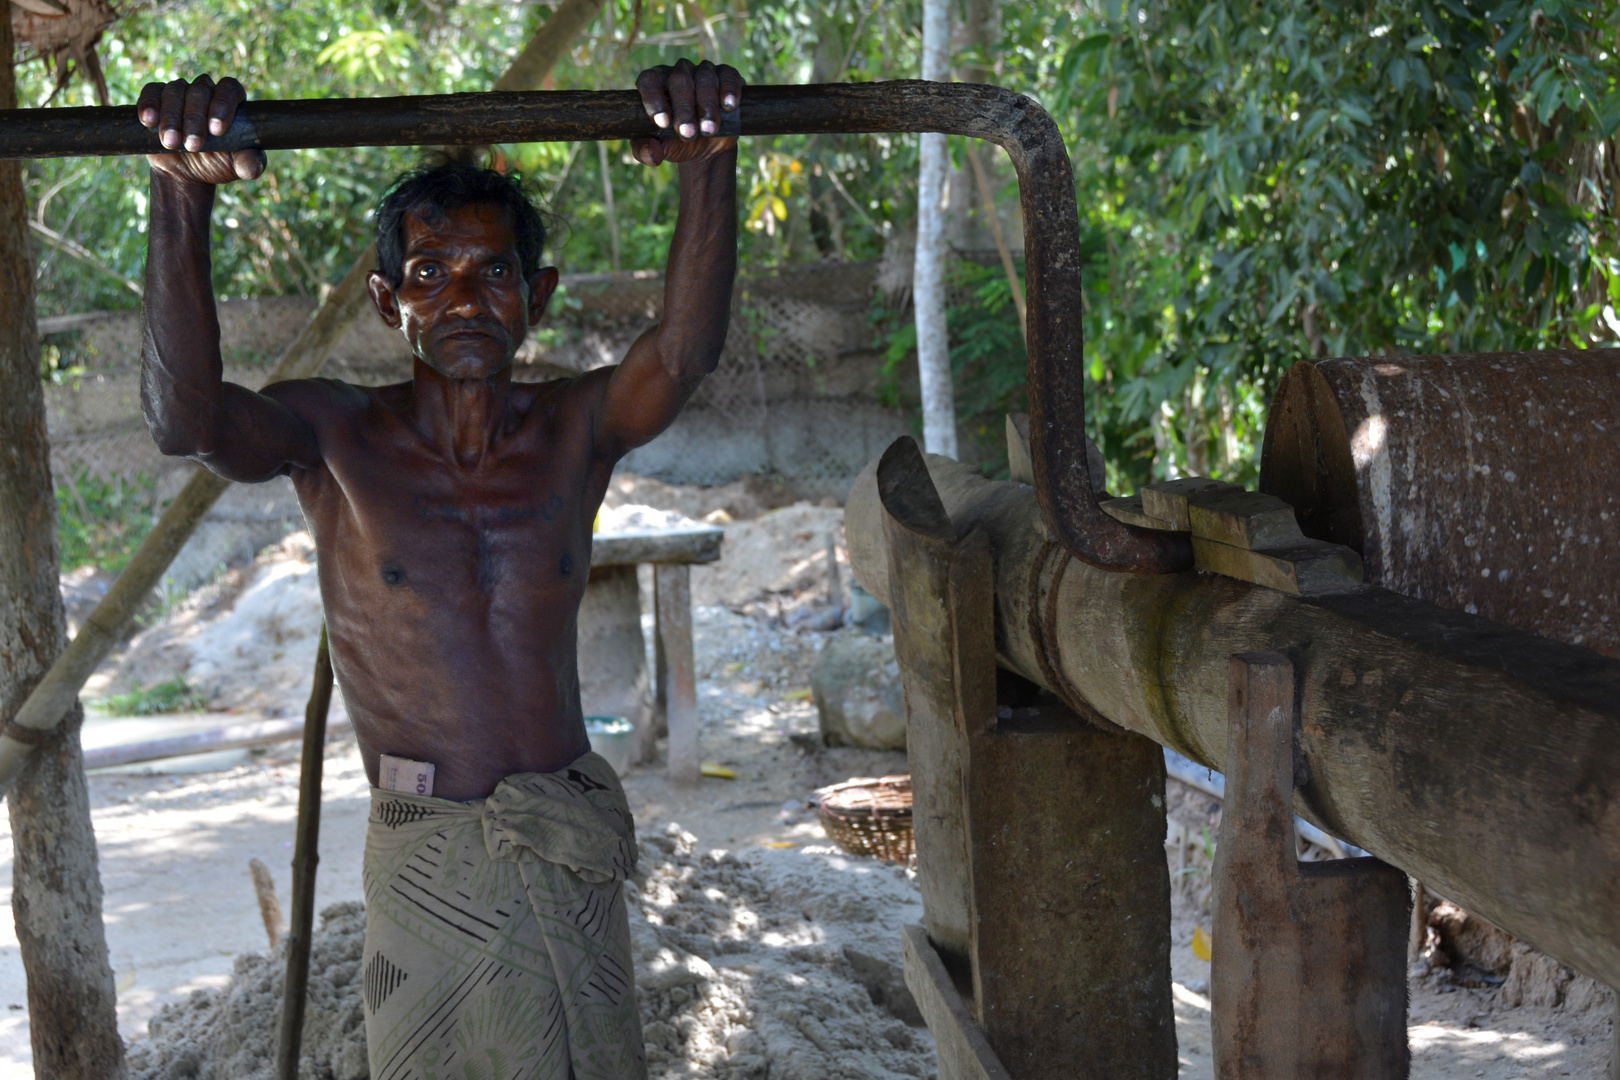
472	364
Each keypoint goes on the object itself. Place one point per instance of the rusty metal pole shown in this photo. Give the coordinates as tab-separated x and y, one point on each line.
306	854
1016	123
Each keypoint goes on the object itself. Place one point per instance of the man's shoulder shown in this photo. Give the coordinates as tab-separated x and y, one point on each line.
319	398
565	391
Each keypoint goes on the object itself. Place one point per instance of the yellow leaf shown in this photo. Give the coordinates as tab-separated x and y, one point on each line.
781	843
1201	943
801	694
795	168
779	208
718	771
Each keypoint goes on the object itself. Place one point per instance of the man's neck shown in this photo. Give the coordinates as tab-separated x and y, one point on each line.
461	417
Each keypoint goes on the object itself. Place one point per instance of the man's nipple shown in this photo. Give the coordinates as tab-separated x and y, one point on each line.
393	575
567	563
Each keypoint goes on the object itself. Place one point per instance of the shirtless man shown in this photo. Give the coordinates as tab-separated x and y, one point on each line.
452	519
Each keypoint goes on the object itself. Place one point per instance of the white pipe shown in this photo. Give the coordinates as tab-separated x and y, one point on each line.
1210	782
235	737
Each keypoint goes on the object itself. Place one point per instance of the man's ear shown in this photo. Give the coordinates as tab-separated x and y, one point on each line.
542	283
382	296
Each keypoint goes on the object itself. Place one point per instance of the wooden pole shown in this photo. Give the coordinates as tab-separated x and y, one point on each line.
305	857
1040	836
672	585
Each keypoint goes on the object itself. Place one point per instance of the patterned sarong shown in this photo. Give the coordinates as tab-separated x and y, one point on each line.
497	941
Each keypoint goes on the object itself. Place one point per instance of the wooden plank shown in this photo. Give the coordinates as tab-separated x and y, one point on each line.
699	545
1072	891
1245	519
1066	900
964	1053
1167	501
672	584
1129	510
920	543
1305	568
1309	970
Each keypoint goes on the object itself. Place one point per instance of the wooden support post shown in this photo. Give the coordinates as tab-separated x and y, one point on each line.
306	854
672	582
613	679
1309	969
1040	838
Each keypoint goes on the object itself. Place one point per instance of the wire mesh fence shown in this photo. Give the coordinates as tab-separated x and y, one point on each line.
794	395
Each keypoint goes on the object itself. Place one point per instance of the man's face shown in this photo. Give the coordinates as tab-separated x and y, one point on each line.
462	301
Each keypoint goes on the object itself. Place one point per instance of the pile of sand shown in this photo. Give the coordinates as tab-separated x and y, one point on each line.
776	564
783	963
230	1034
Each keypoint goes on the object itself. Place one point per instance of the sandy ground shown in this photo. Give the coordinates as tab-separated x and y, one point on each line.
180	907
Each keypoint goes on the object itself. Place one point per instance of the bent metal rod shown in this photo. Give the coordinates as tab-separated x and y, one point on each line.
1011	120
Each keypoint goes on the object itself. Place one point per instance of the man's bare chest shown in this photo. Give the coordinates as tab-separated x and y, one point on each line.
396	524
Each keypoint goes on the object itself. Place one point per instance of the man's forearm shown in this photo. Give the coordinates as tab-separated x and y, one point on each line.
702	267
181	371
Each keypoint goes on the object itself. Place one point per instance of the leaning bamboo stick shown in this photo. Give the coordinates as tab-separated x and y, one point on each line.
264	887
306	856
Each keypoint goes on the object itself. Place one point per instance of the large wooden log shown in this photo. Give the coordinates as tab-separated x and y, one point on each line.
1479	759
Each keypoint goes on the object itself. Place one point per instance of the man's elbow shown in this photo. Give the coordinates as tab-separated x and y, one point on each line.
172	441
173	437
701	363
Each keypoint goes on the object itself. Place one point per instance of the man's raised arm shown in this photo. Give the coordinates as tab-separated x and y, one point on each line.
665	365
191	410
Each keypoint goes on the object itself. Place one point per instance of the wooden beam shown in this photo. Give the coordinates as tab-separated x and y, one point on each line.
672	586
1309	970
964	1053
1474	757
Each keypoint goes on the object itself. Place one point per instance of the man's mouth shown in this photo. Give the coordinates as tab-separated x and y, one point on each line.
469	333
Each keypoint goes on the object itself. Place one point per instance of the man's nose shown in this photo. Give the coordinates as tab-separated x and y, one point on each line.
463	298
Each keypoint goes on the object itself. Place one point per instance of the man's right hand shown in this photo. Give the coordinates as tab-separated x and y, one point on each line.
185	114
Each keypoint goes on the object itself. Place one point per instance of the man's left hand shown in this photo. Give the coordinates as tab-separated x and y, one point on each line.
690	97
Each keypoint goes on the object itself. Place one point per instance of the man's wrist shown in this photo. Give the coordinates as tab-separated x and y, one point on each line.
181	190
706	166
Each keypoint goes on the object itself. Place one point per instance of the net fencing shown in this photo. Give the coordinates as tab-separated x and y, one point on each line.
794	397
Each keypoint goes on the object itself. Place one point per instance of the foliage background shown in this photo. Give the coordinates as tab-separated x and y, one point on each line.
1258	182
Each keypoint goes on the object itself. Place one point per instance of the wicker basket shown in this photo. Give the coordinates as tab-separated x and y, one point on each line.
869	817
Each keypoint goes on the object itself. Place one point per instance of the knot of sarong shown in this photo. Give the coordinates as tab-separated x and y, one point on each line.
571	818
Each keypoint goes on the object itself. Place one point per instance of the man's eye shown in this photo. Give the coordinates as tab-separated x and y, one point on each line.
428	271
498	271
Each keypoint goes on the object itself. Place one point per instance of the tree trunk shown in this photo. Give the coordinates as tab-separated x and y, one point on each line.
928	282
56	892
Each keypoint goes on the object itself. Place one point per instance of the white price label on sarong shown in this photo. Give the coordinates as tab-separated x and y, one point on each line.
403	774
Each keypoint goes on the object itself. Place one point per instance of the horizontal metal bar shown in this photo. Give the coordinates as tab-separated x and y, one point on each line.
1011	120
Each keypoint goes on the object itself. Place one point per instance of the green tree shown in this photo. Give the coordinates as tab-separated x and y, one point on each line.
1269	182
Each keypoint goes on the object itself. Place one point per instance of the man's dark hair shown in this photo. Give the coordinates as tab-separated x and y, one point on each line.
432	191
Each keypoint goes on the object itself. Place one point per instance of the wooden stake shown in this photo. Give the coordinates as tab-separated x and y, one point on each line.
305	858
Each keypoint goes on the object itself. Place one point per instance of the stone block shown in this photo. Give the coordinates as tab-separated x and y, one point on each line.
856	686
